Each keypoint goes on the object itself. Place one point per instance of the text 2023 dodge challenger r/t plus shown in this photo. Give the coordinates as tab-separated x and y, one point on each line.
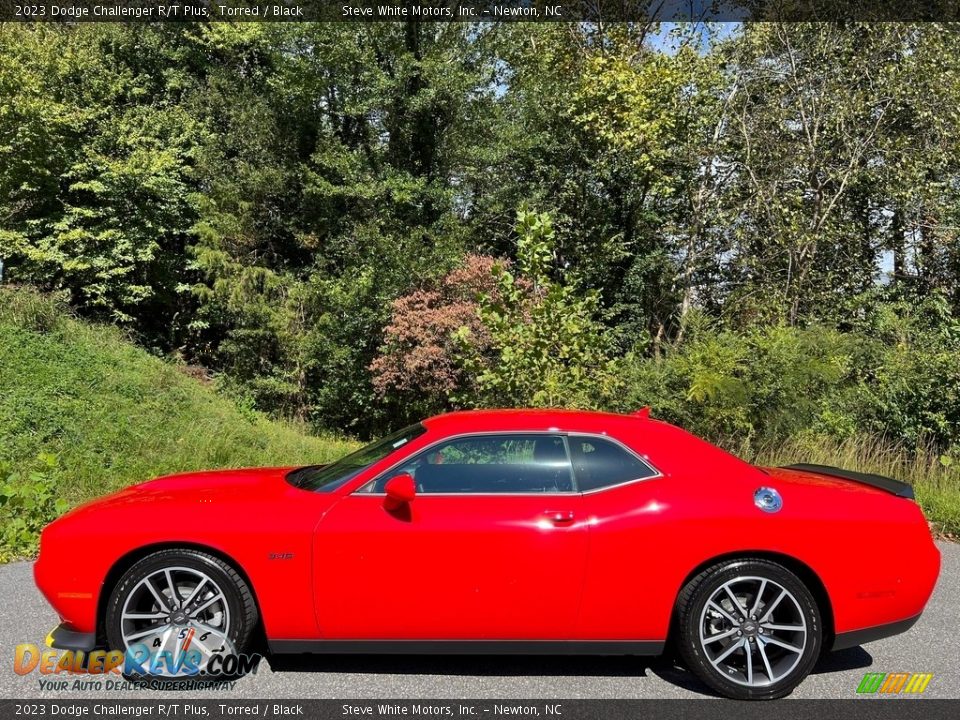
523	531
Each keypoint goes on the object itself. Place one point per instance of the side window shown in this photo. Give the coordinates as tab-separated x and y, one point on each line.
490	464
601	463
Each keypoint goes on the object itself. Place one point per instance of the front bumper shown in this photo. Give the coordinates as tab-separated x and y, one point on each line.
63	637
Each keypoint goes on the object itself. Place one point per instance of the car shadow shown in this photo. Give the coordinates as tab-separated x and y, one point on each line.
519	665
480	665
850	659
494	666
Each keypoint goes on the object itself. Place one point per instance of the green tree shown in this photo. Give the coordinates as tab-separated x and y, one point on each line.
544	346
96	166
839	144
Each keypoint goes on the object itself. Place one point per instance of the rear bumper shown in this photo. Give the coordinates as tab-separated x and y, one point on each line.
64	637
878	632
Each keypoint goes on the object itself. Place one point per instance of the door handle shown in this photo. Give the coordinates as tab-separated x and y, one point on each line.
560	517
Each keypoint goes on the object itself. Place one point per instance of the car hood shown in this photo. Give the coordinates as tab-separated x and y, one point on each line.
253	484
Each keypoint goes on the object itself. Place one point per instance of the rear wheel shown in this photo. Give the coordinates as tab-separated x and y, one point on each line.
174	611
750	629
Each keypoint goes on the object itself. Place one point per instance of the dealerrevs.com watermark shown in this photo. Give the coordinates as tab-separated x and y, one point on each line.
139	667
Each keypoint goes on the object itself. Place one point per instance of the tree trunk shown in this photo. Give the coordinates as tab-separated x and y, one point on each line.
898	245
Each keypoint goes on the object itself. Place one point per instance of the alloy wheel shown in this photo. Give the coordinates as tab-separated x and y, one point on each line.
174	610
753	631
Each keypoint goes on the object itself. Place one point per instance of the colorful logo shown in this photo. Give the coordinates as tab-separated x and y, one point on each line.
894	683
184	660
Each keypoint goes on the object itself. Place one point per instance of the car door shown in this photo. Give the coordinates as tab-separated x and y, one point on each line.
630	512
492	548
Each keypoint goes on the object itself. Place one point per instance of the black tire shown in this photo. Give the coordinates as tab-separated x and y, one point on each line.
236	592
730	681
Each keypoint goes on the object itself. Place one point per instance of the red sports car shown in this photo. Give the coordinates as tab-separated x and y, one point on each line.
527	531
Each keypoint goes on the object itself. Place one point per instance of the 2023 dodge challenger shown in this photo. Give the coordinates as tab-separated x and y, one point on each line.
547	532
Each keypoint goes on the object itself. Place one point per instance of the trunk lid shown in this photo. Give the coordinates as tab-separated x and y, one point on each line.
879	482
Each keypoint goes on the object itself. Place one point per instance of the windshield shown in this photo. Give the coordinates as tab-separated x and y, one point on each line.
325	478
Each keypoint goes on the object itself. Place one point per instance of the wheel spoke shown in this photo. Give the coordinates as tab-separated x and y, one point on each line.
207	603
202	646
174	595
168	643
766	662
756	601
723	612
749	651
736	603
203	627
145	633
719	636
728	652
161	602
144	616
195	592
780	643
787	628
773	606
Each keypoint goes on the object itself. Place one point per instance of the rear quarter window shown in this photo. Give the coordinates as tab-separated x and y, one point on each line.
599	463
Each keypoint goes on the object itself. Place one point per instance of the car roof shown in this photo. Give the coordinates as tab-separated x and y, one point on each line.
669	448
534	420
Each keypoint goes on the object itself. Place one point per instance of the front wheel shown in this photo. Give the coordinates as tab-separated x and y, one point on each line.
179	613
750	629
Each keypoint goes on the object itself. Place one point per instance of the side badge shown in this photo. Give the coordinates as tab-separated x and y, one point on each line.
767	499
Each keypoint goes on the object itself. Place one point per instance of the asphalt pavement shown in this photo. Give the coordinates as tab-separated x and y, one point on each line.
932	645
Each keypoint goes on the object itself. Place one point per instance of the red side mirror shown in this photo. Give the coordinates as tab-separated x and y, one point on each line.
401	488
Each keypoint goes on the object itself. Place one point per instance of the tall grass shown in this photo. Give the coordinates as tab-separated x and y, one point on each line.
935	479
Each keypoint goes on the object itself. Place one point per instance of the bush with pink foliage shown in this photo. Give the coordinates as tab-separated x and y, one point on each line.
419	357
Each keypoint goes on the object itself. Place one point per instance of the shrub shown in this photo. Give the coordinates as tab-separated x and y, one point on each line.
732	387
491	334
27	503
907	371
419	359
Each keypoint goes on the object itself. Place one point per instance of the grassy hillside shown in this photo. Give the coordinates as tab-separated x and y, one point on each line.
110	414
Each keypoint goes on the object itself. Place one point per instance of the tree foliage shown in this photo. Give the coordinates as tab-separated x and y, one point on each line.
542	345
96	166
325	215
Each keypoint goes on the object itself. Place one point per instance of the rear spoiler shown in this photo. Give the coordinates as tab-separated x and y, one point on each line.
896	487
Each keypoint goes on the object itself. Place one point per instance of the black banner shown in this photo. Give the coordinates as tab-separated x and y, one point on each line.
475	10
865	709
